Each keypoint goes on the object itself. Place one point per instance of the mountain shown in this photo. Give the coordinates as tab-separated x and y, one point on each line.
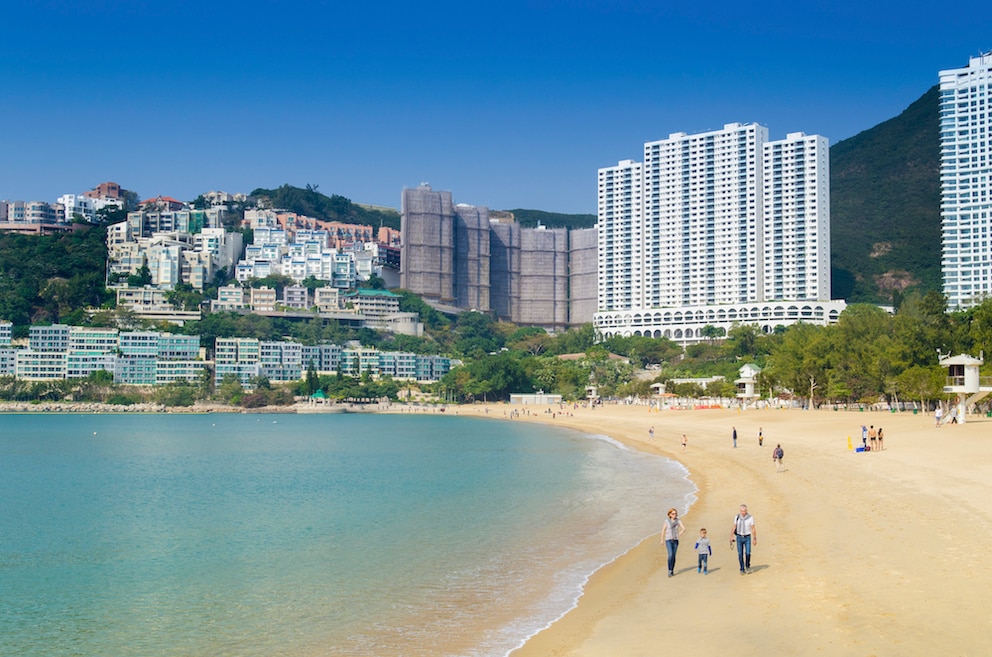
885	207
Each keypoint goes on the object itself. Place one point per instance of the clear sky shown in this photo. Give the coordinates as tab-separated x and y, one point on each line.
506	104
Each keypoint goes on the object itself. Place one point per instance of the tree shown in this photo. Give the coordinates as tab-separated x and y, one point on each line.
743	341
313	283
56	292
476	335
373	283
184	297
179	393
230	389
312	380
922	383
711	332
277	282
800	362
140	278
573	341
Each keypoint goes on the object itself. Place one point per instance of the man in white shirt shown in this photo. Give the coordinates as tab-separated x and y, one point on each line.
744	536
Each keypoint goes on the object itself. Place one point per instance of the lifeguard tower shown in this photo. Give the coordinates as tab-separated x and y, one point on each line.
747	385
964	381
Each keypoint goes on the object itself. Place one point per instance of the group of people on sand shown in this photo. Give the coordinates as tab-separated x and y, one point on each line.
873	436
743	536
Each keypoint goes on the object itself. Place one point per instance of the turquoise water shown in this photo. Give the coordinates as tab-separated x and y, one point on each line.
256	535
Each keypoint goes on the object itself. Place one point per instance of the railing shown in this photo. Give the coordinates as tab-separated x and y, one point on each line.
958	382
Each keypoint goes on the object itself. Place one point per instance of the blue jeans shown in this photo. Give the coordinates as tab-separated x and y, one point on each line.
673	547
703	561
744	551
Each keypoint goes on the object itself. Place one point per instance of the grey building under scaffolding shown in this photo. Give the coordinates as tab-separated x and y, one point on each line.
455	255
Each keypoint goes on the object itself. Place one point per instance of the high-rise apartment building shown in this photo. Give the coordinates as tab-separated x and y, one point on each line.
714	229
796	220
966	181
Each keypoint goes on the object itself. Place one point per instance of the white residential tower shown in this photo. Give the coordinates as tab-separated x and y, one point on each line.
713	229
966	181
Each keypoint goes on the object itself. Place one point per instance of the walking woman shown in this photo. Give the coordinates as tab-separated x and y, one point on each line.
673	529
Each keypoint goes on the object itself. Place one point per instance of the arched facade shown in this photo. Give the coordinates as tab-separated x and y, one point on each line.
686	325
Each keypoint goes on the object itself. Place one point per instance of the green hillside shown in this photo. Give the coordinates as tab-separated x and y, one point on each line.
312	203
885	207
531	218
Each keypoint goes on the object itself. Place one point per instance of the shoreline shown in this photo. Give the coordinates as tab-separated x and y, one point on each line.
859	553
202	407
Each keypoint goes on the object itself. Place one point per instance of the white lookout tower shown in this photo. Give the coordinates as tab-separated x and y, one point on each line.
964	381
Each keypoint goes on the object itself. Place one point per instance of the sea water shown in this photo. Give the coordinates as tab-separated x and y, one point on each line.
300	535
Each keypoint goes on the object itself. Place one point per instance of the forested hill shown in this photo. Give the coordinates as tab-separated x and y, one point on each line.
52	278
312	203
885	207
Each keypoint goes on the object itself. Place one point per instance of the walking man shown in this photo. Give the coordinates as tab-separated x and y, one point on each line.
744	536
734	436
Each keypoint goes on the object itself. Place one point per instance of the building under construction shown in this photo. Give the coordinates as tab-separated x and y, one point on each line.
456	255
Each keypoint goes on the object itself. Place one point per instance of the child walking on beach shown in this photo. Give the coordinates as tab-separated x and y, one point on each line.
704	551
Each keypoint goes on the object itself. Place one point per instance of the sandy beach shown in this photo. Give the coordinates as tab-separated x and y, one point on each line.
858	553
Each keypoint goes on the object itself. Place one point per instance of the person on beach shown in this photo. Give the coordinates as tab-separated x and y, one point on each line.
745	535
761	437
777	455
881	440
938	414
873	438
673	529
651	433
704	550
685	442
734	436
864	437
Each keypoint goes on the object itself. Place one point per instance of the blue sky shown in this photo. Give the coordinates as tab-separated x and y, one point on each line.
508	105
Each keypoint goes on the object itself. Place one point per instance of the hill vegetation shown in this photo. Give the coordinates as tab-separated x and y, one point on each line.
885	207
52	278
312	203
